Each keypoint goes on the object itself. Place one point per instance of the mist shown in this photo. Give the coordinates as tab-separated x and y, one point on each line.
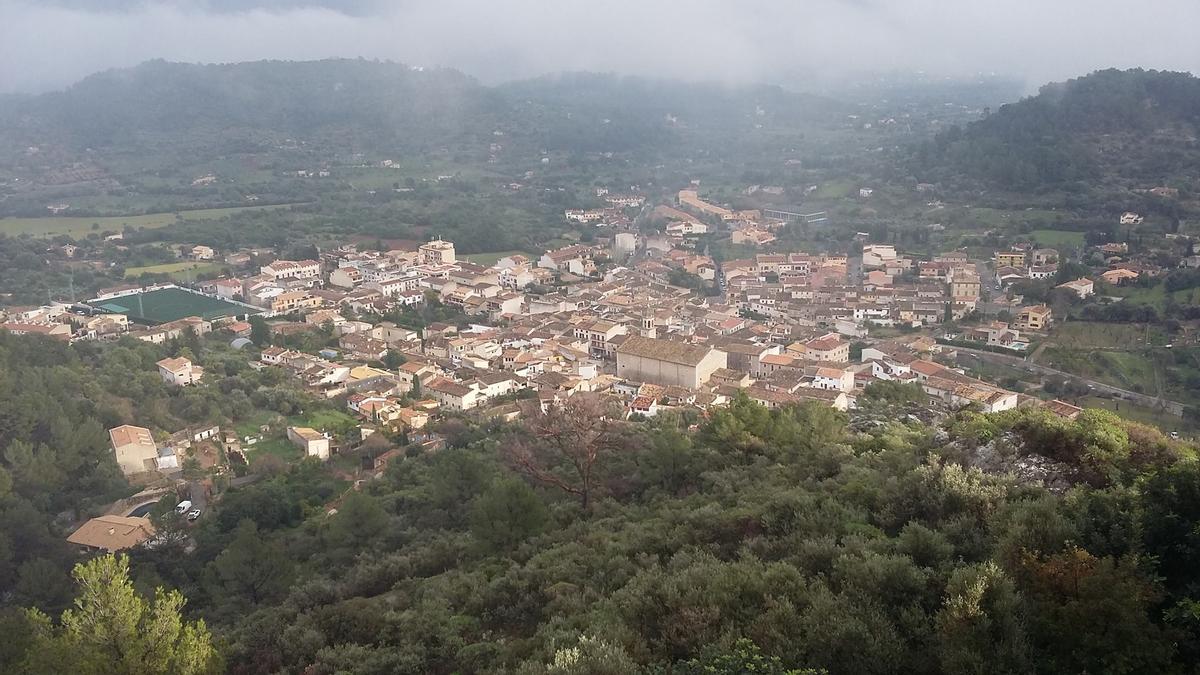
51	43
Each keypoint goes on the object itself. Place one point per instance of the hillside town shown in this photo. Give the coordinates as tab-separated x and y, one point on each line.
411	335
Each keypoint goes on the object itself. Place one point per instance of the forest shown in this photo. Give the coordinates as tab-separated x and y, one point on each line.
790	540
1125	127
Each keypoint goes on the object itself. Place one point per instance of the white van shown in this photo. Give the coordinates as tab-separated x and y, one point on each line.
183	506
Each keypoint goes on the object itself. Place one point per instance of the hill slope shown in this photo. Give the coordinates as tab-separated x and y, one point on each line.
366	104
1115	128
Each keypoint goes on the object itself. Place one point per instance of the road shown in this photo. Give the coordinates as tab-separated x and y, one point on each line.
1173	407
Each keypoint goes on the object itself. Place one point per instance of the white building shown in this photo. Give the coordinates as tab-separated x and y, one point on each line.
179	372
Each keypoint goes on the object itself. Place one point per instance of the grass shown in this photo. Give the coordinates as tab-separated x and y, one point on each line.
1100	335
176	270
1126	370
1156	295
489	259
249	427
279	447
1001	217
1057	238
81	226
170	304
836	189
321	419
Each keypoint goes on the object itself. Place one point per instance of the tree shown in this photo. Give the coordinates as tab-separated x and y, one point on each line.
743	658
507	513
570	442
260	332
393	359
251	567
112	629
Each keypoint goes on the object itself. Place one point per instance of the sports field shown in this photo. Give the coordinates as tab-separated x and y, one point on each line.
171	304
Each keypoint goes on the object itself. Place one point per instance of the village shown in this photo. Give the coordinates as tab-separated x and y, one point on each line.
641	318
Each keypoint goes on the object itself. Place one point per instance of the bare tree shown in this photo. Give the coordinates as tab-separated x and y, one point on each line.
566	444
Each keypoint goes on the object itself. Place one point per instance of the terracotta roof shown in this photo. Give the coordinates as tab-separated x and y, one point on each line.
664	350
130	435
113	533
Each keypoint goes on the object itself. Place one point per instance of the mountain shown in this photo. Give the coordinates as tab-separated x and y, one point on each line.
1112	128
368	101
370	105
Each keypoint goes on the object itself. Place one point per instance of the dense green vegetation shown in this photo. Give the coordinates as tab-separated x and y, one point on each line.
1133	128
572	544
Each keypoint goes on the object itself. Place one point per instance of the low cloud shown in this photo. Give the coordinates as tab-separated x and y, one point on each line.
49	44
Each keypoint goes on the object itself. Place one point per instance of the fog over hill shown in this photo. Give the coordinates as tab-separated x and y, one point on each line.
47	44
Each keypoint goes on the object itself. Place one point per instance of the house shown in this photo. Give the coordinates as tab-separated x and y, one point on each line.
1044	256
865	192
833	379
965	286
135	449
202	253
1119	276
1010	258
1081	287
1131	218
179	372
173	330
667	362
453	395
58	331
686	228
346	277
291	301
436	252
829	348
878	255
1036	317
292	269
113	533
1063	409
312	442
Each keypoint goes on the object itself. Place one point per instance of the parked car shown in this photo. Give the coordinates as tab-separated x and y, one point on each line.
183	506
193	514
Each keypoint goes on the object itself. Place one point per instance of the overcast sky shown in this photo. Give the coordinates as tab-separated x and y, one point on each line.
47	44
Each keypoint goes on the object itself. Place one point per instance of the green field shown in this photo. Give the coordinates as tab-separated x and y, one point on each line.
170	304
279	447
836	189
1056	238
1156	295
81	226
1100	335
1003	217
322	419
1126	370
489	259
176	270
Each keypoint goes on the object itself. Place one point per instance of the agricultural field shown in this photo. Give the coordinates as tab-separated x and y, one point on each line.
81	226
1126	370
1112	336
1057	238
1156	295
323	419
179	270
171	304
279	447
489	259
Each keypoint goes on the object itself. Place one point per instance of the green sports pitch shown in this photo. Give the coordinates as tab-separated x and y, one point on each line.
170	304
